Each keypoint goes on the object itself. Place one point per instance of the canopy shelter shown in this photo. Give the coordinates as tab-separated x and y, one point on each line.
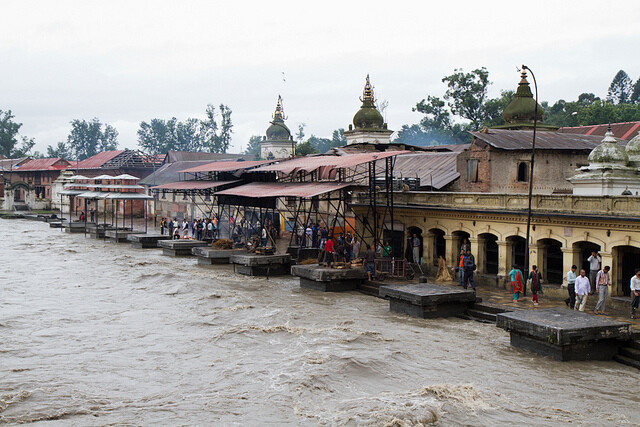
255	206
199	192
225	170
115	197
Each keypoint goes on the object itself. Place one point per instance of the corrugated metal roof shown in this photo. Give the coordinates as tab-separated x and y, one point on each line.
434	169
10	164
98	160
192	185
624	130
170	172
183	156
288	189
521	140
325	164
53	163
227	166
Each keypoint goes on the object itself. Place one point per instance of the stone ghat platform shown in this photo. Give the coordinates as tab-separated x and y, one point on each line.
118	235
261	265
427	300
181	247
74	227
565	334
302	253
210	256
325	279
145	241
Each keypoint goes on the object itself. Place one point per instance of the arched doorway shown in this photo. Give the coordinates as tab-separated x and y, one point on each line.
518	248
459	238
409	242
552	264
439	244
626	259
488	252
584	250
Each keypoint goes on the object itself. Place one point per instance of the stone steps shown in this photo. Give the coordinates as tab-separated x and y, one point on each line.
481	316
370	288
627	361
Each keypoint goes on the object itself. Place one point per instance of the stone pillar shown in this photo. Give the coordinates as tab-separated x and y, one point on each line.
536	257
428	246
451	250
569	256
479	250
505	257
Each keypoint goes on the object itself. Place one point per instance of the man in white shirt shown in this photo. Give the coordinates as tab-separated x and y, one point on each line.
635	293
571	287
582	290
594	267
603	280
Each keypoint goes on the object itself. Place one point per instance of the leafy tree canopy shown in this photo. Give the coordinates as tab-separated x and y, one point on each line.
212	134
12	144
621	89
88	138
253	147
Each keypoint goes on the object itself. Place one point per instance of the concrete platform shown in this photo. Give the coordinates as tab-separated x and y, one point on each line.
302	253
145	241
209	256
261	265
427	300
118	235
325	279
181	247
565	334
74	227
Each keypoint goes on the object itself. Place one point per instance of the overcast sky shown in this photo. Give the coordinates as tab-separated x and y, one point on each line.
130	61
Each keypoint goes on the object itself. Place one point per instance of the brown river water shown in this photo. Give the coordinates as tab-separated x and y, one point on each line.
97	333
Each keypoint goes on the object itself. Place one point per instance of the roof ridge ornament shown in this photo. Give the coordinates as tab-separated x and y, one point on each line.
367	93
279	113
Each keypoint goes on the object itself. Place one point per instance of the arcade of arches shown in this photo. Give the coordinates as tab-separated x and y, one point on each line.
497	241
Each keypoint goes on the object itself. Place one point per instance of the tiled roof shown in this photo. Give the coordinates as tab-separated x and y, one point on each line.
53	163
98	160
625	130
521	140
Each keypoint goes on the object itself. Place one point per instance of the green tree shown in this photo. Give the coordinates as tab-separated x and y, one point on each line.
300	134
635	94
621	89
88	138
61	150
338	138
305	148
156	137
466	94
12	144
216	137
253	147
493	108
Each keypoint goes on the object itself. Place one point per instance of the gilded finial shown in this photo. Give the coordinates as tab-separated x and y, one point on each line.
367	93
279	113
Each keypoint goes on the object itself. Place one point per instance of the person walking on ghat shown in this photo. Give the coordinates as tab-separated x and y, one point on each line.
582	290
415	243
603	280
370	259
635	293
536	283
469	266
594	267
163	225
571	287
461	267
516	282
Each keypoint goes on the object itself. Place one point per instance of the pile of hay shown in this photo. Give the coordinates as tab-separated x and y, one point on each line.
223	244
308	261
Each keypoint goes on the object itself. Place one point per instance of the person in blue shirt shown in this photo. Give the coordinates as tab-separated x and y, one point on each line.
516	282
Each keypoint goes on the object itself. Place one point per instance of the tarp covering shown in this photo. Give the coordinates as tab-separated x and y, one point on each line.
191	185
326	165
288	189
109	195
227	166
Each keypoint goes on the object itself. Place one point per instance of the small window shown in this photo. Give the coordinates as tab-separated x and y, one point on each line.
472	170
523	172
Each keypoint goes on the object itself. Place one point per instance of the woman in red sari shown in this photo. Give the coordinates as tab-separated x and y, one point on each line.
516	282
